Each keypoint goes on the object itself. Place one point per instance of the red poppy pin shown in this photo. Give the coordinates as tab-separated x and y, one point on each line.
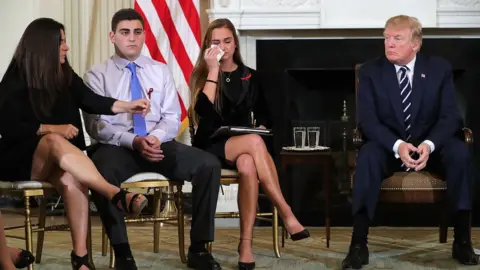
246	77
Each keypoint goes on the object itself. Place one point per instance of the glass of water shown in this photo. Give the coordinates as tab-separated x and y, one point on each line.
313	136
299	134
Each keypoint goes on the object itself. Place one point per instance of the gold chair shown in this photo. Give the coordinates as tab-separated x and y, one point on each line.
37	190
171	212
413	187
230	177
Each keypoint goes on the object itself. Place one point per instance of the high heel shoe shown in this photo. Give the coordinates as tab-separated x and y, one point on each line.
300	235
24	259
134	208
78	262
244	265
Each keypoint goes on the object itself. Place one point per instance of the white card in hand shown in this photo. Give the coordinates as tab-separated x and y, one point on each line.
220	54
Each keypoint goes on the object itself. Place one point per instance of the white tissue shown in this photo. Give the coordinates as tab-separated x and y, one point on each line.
220	54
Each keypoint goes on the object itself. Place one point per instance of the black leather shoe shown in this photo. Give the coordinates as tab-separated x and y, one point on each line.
202	261
356	258
125	264
462	251
300	235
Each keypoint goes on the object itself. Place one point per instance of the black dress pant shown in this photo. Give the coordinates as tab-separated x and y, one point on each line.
181	163
375	163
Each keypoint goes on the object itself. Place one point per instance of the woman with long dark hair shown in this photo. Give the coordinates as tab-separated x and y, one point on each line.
41	134
225	92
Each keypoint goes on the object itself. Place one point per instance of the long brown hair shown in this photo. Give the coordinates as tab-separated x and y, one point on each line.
200	71
37	61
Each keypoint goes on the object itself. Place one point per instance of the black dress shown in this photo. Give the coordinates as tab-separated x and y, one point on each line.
240	97
19	125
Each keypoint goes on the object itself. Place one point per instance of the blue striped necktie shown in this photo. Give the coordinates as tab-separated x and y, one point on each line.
405	93
139	125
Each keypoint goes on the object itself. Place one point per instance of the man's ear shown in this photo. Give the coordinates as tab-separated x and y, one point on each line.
112	37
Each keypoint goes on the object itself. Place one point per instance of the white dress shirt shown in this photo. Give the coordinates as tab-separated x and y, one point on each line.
410	72
112	79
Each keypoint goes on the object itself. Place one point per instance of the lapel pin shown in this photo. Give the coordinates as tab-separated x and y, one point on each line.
149	93
423	75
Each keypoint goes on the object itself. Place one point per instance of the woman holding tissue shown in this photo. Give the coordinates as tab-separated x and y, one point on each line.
225	92
41	134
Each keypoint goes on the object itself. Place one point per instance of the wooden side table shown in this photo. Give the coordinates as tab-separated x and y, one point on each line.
319	158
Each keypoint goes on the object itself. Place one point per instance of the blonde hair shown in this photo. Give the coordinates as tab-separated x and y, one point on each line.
404	21
200	71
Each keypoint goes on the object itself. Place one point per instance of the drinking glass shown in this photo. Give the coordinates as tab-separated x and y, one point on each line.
299	134
313	136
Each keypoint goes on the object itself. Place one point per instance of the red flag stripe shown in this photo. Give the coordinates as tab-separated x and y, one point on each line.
193	17
176	43
150	40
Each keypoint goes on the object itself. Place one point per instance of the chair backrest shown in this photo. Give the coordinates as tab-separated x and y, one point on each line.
357	68
191	127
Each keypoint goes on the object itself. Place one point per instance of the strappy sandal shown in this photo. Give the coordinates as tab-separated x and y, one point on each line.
134	208
24	259
78	262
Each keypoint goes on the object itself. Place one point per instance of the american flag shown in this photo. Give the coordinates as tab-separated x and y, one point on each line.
172	36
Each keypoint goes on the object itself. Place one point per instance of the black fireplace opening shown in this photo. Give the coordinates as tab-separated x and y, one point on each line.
311	82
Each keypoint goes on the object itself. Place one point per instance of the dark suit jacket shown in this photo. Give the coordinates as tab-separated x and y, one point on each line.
19	124
435	115
251	99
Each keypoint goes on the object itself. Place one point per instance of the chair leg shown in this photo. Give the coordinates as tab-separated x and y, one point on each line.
180	224
443	227
28	229
156	224
89	242
112	257
275	232
41	229
209	247
104	242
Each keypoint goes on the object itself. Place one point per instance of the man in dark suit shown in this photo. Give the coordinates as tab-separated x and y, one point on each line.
408	116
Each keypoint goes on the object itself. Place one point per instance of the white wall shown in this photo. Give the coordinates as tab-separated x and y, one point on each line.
87	24
13	25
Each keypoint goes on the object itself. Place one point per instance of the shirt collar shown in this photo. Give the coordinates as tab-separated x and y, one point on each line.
410	65
122	63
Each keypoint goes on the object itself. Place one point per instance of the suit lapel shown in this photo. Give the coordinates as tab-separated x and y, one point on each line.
419	85
390	81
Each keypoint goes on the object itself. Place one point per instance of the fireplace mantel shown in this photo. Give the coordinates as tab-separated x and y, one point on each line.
343	14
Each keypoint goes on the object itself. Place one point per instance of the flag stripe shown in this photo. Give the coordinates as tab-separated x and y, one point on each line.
150	40
184	31
176	44
164	44
191	12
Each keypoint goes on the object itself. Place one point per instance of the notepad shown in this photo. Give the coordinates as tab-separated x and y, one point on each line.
233	131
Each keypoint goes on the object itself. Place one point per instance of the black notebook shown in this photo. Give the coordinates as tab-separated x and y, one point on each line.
232	131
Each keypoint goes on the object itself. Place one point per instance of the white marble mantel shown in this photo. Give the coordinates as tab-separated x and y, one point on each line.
287	19
322	14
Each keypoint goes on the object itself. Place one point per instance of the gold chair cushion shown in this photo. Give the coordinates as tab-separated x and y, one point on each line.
145	176
414	181
21	185
226	173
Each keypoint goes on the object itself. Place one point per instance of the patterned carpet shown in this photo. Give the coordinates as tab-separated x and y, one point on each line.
391	248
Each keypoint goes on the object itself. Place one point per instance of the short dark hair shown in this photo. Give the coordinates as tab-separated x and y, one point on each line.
125	14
